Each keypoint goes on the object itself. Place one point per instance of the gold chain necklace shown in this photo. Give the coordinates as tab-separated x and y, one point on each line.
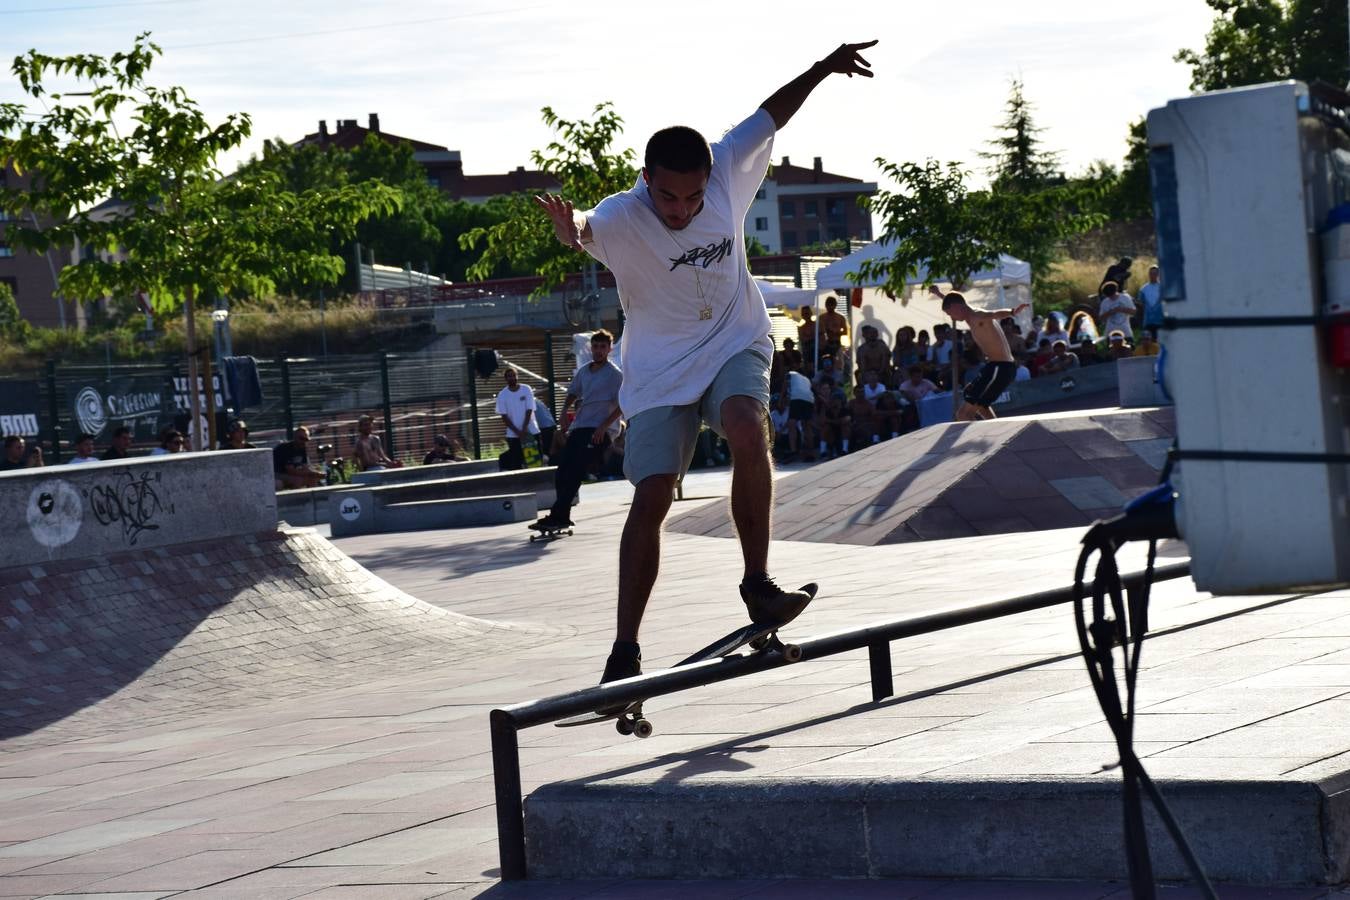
705	312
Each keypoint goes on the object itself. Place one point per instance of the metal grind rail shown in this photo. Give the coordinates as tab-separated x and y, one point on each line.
877	638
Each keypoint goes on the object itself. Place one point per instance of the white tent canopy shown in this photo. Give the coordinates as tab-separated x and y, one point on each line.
776	294
1009	270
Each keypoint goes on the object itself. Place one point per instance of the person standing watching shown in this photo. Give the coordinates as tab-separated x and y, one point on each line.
595	389
697	344
515	404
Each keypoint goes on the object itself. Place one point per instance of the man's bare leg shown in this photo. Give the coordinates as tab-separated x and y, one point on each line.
967	413
751	479
640	551
985	412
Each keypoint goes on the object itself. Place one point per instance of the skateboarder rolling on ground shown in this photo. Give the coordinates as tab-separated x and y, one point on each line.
696	339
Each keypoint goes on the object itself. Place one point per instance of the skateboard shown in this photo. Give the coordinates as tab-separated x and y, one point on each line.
760	638
551	534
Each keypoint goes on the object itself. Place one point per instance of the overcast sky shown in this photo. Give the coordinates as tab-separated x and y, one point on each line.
473	74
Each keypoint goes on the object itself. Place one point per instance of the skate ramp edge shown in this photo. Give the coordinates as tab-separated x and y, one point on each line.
961	479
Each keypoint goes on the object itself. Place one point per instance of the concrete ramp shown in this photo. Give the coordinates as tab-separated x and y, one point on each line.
962	479
161	590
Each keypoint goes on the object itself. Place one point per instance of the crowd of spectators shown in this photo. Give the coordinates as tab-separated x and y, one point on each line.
823	406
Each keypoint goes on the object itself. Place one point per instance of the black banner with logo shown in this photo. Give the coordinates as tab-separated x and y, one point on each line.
20	406
144	403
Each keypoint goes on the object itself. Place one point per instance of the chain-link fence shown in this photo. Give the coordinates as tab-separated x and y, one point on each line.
413	397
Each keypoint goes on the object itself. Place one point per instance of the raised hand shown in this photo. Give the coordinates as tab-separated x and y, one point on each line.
846	60
563	216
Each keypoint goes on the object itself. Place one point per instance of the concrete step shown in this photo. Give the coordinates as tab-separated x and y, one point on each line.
415	516
1267	832
408	474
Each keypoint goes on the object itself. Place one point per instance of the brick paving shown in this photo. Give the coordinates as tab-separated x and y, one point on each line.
349	758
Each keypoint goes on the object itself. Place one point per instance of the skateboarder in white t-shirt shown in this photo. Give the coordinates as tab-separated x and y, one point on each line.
696	338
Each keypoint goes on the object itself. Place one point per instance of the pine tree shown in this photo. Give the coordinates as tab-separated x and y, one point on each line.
1019	163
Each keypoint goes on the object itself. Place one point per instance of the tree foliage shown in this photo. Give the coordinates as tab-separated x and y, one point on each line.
13	326
174	229
935	220
1019	161
1254	41
587	169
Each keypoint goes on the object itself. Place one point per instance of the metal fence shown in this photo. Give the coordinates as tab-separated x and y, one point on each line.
412	396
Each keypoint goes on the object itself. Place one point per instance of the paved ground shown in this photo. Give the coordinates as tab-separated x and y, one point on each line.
382	787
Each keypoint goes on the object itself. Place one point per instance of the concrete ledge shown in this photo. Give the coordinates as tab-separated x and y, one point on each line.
420	515
308	506
433	472
1248	832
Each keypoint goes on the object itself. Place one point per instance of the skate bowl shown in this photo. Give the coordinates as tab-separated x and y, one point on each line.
144	592
961	479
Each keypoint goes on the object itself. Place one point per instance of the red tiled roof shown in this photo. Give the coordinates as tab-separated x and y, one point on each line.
791	174
508	183
352	136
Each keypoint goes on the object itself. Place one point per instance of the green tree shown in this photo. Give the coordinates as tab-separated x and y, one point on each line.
754	247
935	220
1254	41
1018	160
580	157
13	326
178	231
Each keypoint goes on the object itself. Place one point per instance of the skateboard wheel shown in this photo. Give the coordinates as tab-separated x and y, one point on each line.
759	643
642	728
792	653
623	726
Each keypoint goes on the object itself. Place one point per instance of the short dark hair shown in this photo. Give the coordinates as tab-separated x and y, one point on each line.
915	370
1110	289
121	430
83	436
951	298
12	440
678	149
603	336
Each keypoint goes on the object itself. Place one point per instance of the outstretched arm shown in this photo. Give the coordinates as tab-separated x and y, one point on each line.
845	60
572	228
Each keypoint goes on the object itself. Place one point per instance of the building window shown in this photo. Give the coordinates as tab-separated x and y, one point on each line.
762	223
6	251
810	209
434	180
789	240
838	233
787	209
761	194
834	209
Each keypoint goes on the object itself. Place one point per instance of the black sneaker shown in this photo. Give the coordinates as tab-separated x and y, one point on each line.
543	524
768	604
617	667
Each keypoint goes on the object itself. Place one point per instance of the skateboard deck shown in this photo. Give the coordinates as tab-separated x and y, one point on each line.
760	638
551	534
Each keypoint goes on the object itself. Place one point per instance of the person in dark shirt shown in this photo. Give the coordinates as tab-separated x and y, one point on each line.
237	437
445	451
121	445
1119	273
290	463
14	457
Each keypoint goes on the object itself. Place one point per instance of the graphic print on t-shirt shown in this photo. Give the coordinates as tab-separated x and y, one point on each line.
714	252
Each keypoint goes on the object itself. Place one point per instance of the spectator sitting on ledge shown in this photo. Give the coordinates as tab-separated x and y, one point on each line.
1117	348
121	445
1148	345
14	455
237	437
369	452
170	441
84	450
290	463
446	450
1061	360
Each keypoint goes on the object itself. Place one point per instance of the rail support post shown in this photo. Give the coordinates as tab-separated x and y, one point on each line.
510	805
879	659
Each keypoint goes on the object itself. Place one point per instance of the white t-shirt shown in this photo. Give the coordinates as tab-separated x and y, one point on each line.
942	353
78	460
514	405
872	391
779	418
1023	373
1115	314
675	341
799	388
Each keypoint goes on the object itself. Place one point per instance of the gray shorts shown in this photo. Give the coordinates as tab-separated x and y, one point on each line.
660	440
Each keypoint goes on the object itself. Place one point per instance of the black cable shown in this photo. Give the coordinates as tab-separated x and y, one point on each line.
1125	623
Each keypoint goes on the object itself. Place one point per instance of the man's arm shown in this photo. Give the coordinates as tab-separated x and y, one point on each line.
845	60
995	313
573	228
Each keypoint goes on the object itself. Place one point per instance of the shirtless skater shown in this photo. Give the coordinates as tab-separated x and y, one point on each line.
999	371
696	339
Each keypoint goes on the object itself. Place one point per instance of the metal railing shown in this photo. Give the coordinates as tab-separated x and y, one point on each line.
877	638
